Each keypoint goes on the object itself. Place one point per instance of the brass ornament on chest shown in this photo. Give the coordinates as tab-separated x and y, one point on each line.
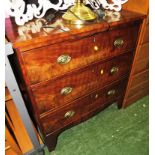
79	14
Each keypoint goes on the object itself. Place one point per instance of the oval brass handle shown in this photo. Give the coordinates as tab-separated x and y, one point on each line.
66	90
111	92
63	59
69	114
114	70
96	48
118	42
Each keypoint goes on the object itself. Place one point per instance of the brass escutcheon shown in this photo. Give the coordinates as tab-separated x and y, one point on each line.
96	48
101	71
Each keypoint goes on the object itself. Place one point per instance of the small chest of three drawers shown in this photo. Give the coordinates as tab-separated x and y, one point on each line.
69	81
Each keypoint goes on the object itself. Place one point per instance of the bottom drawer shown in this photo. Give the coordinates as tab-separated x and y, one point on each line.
74	111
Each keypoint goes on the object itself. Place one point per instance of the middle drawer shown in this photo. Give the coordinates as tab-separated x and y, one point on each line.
57	93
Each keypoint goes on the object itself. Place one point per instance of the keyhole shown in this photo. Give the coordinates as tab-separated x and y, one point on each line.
94	39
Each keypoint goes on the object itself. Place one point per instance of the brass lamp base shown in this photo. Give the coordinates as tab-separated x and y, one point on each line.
79	14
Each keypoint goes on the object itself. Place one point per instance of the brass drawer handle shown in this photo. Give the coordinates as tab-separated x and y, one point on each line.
118	42
66	90
69	114
63	59
111	92
114	70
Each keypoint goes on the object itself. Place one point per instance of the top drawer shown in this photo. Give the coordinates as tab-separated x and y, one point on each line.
51	61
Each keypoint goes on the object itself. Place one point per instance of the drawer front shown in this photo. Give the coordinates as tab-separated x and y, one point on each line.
74	112
139	88
57	93
51	61
143	53
139	78
141	66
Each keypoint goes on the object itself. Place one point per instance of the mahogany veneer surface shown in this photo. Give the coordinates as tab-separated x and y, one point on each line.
43	66
100	56
48	95
84	105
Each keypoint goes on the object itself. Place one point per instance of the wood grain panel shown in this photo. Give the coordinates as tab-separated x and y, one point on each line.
139	78
136	97
141	66
57	120
143	52
41	63
146	34
136	6
140	63
48	96
138	88
18	128
11	145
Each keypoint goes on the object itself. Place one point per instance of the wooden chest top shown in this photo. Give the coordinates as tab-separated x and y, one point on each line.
25	39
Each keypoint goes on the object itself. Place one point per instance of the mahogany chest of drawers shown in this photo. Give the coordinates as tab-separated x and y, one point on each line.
69	74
